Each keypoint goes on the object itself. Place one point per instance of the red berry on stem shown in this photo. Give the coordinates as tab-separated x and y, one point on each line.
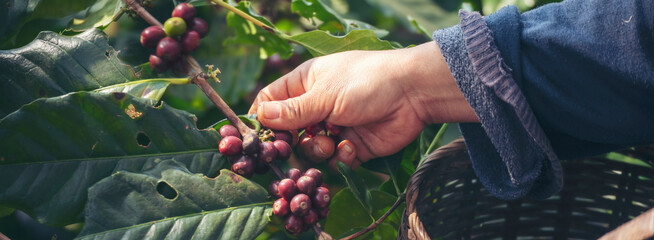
287	188
294	174
333	129
314	130
190	41
168	49
251	144
157	64
283	149
230	145
315	174
229	130
200	26
285	136
300	204
281	207
294	224
322	213
268	152
306	185
185	11
321	198
151	36
244	166
274	189
309	219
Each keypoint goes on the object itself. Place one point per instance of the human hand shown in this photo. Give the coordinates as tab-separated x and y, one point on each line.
383	98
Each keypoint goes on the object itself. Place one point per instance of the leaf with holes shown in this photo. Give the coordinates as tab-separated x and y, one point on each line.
53	65
146	88
168	201
320	43
53	149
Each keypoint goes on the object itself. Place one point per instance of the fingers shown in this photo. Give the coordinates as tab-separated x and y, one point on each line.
345	153
293	84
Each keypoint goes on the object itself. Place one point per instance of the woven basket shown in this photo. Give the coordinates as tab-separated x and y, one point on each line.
444	200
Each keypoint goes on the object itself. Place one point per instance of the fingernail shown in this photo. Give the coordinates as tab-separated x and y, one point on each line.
347	148
271	110
317	149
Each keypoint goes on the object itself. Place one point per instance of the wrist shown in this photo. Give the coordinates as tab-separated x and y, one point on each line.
431	88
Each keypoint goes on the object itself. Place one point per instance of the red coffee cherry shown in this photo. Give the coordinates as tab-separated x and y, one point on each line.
190	41
230	145
287	188
274	189
251	144
294	174
300	204
268	152
322	213
283	149
309	219
333	129
315	174
314	130
229	130
200	26
285	136
244	166
321	198
168	49
294	224
157	64
185	11
281	207
151	36
306	185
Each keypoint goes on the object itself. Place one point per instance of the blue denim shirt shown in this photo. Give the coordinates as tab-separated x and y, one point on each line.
562	81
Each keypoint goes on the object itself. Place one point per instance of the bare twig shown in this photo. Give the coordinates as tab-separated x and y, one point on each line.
381	219
143	13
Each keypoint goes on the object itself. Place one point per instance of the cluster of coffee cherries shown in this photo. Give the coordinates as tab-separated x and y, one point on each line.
252	153
303	199
323	128
180	35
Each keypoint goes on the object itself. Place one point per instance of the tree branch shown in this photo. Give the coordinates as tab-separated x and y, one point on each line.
381	219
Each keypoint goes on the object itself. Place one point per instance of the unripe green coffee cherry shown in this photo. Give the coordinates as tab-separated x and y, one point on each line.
175	26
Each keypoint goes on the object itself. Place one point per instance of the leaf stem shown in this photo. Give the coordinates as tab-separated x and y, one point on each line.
435	142
244	15
381	219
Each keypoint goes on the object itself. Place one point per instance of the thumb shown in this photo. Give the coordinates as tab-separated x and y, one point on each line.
293	113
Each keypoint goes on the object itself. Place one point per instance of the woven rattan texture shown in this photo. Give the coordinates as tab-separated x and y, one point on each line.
446	201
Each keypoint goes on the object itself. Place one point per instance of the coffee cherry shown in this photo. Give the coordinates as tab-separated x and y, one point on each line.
281	207
283	149
314	130
274	189
185	11
174	26
251	144
287	188
244	166
190	41
268	152
324	185
315	174
321	198
229	130
157	64
230	145
168	49
151	35
333	129
294	224
309	219
300	204
294	174
200	26
306	185
322	213
285	136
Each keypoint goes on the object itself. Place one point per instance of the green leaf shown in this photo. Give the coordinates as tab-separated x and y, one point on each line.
346	212
53	65
330	20
5	211
99	15
320	43
426	12
250	120
357	186
53	149
146	88
171	202
247	32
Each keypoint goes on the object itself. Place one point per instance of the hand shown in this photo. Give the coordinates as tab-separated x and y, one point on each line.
384	98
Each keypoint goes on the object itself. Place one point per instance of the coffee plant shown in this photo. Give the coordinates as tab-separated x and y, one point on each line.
118	119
